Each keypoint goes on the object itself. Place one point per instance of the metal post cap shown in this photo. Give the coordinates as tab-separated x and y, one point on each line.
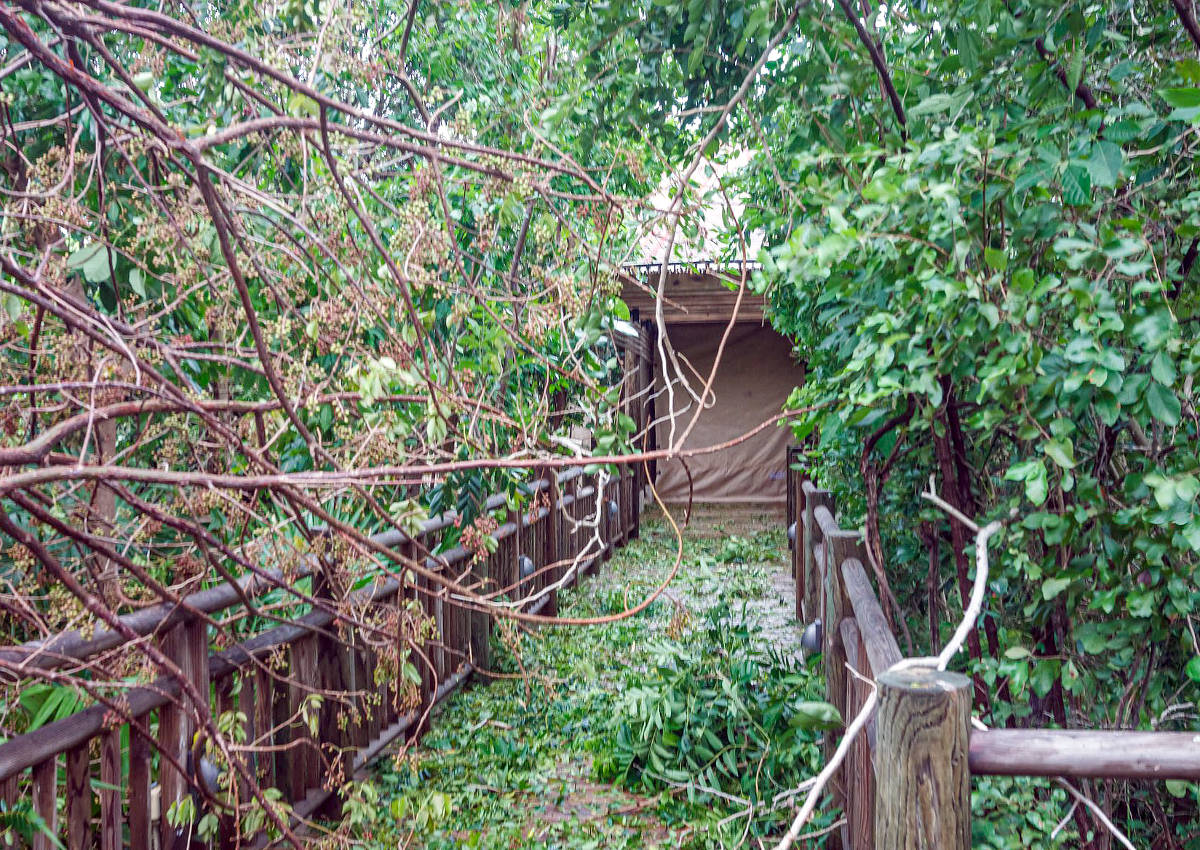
813	638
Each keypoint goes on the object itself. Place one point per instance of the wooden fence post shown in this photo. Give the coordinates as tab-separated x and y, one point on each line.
330	670
795	514
481	622
45	802
923	782
550	527
187	645
813	585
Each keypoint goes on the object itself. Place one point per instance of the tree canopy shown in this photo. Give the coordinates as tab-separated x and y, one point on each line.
274	269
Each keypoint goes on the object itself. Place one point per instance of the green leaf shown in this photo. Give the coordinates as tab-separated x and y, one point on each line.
934	104
91	261
1077	186
137	281
1061	451
1104	164
1091	639
1043	677
13	305
1163	404
996	258
1075	72
1162	368
1177	788
1185	98
1033	473
1193	669
302	106
816	715
1052	587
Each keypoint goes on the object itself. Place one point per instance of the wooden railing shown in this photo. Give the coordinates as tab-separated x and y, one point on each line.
108	775
906	780
268	676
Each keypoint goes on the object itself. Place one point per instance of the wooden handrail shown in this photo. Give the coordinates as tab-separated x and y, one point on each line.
1103	754
267	677
65	647
878	640
862	630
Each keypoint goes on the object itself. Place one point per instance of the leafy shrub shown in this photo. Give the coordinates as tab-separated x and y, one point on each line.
717	712
741	550
1012	812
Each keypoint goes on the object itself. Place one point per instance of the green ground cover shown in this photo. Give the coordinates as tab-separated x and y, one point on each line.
657	730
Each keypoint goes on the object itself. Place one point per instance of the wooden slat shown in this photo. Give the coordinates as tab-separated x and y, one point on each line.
45	800
839	546
79	799
140	754
814	559
881	647
1085	753
8	791
302	673
110	795
550	535
693	297
174	726
263	722
859	773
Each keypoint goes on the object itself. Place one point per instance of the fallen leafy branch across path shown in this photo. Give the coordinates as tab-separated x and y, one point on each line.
533	760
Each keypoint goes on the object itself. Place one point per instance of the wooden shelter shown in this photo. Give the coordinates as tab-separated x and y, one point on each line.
756	374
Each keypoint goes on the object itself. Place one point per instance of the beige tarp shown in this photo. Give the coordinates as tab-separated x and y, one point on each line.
756	376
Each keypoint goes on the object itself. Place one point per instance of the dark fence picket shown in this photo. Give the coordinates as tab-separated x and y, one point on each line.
45	801
110	790
79	798
139	785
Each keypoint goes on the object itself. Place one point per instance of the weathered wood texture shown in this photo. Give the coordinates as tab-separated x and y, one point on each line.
691	296
1103	754
922	774
879	644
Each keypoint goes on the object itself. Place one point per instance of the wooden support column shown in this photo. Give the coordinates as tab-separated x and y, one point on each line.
795	514
923	782
481	622
79	799
45	801
110	789
141	753
550	530
329	669
187	645
858	771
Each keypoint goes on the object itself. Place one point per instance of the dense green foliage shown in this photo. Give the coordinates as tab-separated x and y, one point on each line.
981	229
354	243
721	711
527	761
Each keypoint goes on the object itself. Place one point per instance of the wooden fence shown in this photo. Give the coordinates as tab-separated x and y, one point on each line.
107	778
906	780
268	677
